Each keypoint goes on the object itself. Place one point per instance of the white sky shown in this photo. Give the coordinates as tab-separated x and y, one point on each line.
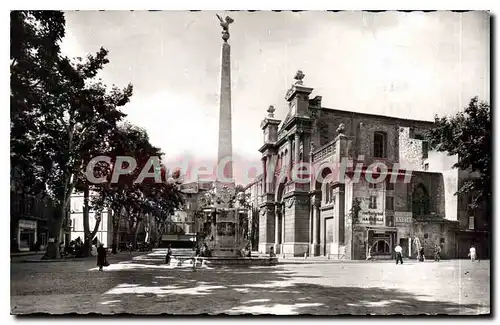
410	65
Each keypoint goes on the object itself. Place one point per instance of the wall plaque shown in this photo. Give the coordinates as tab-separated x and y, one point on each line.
27	224
403	217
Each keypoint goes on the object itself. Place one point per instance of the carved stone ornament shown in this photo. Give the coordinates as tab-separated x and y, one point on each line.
298	77
289	202
317	202
226	194
271	111
341	128
263	211
312	146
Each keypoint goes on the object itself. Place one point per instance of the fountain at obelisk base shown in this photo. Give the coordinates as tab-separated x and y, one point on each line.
228	219
225	211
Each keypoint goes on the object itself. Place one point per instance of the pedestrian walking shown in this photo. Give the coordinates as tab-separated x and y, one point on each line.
169	254
369	257
472	253
399	254
61	249
271	252
421	256
101	257
437	253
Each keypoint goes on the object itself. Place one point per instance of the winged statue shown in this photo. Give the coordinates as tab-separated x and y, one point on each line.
224	23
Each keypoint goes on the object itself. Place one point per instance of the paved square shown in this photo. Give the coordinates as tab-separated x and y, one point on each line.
144	285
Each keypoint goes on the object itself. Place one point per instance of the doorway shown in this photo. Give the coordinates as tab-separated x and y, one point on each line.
328	235
403	242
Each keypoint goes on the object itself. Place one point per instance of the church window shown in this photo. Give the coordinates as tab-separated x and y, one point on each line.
389	203
425	149
388	184
379	145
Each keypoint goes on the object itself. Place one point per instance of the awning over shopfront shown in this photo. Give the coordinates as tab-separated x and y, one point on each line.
381	229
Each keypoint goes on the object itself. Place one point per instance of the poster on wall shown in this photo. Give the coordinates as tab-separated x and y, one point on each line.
403	217
373	218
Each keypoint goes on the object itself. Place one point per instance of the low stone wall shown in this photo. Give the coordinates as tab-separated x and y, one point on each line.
250	261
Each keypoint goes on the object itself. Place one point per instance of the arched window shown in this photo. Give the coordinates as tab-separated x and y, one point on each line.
379	145
326	190
420	200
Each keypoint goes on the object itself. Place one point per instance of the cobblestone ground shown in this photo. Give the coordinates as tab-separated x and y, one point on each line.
144	285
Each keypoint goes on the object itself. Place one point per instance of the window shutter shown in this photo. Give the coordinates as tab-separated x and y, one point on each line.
471	223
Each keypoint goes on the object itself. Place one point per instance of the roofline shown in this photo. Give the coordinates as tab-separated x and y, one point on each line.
428	123
256	180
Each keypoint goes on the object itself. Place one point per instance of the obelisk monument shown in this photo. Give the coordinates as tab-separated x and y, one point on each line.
226	225
225	148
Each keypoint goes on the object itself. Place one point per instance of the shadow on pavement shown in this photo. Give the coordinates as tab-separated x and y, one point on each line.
265	291
147	289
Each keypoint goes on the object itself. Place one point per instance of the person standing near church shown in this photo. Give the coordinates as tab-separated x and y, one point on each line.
399	254
437	253
472	253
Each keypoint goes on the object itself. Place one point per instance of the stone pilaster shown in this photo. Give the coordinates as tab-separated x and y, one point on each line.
316	203
337	248
289	158
266	227
297	148
296	225
277	230
264	175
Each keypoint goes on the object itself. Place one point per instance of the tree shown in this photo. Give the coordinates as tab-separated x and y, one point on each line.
60	114
239	188
139	201
468	135
34	51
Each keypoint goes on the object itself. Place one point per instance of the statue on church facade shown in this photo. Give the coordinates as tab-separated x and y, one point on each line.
341	129
299	76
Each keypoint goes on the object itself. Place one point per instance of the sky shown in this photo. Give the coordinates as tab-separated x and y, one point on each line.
408	65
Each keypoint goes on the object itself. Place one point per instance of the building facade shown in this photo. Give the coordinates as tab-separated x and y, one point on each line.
29	217
343	184
105	230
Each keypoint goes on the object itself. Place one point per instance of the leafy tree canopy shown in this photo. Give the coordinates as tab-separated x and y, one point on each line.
468	135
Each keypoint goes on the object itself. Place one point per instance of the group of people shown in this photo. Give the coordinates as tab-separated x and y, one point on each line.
421	256
201	251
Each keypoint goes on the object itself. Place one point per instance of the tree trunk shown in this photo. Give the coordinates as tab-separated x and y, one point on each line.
132	228
116	227
87	244
98	218
134	237
55	232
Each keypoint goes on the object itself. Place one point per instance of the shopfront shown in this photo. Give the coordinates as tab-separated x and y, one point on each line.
381	241
27	236
403	222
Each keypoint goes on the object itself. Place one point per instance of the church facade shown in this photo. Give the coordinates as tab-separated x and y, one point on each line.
346	185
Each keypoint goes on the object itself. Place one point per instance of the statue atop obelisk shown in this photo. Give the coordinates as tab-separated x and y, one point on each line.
225	149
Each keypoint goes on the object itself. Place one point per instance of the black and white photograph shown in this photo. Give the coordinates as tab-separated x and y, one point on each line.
243	163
